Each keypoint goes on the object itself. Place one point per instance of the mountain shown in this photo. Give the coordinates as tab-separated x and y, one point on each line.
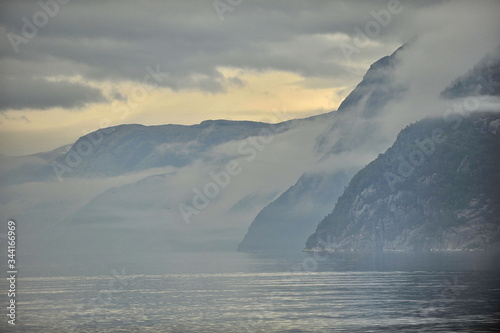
293	214
125	148
366	124
122	149
21	169
215	184
436	188
482	79
292	217
155	188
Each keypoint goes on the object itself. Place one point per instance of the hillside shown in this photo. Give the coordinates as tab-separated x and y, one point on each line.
155	183
436	188
366	124
286	222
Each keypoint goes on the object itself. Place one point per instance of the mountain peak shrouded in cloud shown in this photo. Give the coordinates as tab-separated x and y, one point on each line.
482	79
388	99
174	179
163	163
376	79
200	184
289	218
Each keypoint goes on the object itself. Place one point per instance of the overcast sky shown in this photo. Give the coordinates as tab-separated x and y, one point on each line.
70	67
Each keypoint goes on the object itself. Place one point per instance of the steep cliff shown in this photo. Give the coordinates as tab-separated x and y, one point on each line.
286	222
436	188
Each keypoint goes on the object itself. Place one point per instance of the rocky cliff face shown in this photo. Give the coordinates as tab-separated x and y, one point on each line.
435	189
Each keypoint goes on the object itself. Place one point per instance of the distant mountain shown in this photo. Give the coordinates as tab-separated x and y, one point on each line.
153	186
121	149
294	215
436	188
166	188
22	169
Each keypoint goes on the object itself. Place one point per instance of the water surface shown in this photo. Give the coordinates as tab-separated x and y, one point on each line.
267	292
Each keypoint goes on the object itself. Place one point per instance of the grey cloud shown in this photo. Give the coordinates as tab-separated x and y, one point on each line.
118	96
42	94
117	40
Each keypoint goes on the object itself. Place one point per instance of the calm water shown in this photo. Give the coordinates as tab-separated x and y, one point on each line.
234	292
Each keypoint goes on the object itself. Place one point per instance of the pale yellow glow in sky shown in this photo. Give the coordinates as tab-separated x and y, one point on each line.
270	97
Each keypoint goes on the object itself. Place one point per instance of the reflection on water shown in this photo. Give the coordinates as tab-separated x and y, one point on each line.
233	292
